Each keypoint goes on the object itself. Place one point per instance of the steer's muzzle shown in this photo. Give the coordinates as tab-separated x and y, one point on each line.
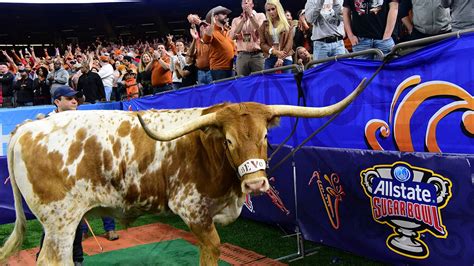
254	179
256	183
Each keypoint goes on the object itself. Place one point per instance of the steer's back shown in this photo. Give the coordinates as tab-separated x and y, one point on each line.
99	157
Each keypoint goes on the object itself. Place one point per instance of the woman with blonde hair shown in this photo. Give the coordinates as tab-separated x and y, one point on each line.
144	77
276	36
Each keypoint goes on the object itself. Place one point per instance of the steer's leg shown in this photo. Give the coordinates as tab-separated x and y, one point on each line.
209	243
57	244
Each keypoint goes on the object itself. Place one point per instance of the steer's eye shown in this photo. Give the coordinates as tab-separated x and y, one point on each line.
228	142
266	135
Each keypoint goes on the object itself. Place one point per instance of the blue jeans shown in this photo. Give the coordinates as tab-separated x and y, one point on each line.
163	88
108	222
365	43
221	74
204	77
323	50
271	61
77	252
176	85
108	93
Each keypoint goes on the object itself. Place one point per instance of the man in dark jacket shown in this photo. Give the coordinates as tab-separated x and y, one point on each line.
23	88
91	86
6	86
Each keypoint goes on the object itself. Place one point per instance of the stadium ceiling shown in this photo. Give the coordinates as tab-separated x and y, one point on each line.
53	23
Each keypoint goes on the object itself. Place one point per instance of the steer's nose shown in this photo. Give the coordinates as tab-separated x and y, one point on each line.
255	185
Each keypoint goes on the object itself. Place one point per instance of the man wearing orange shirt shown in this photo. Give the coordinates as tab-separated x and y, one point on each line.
200	50
161	77
221	47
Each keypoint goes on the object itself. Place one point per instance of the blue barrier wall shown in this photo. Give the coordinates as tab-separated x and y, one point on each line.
9	117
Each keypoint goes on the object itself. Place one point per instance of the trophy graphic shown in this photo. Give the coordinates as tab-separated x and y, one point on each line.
408	199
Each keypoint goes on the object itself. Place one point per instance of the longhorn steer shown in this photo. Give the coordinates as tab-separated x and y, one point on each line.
72	162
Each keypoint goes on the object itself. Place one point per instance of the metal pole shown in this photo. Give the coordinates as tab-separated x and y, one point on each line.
226	79
428	40
301	252
92	232
376	52
273	70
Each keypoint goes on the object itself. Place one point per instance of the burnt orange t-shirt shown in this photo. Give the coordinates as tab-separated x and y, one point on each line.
131	88
221	49
202	55
159	75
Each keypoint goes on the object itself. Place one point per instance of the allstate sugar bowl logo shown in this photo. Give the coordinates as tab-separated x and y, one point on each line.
402	173
408	199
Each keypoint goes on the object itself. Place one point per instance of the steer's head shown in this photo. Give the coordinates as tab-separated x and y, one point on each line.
243	130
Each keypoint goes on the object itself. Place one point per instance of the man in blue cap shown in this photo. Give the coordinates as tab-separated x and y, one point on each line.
65	99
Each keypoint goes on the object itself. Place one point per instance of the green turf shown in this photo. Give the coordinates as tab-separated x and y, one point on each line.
261	238
172	253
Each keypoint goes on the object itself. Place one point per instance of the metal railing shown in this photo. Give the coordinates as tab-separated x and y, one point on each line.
295	67
417	44
373	51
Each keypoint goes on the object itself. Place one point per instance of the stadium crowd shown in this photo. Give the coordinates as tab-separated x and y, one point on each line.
220	48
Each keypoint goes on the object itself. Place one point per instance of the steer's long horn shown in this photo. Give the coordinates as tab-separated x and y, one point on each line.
166	135
290	110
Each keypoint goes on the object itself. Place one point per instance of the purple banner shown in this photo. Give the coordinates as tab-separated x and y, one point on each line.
277	206
415	208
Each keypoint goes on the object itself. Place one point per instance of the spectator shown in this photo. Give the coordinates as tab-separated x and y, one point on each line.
106	73
119	73
11	64
429	18
289	17
328	27
200	50
303	33
245	31
368	26
302	56
188	73
127	61
131	85
144	77
90	85
161	77
76	70
41	95
31	74
6	86
65	100
276	38
58	76
221	47
177	58
23	88
462	13
109	227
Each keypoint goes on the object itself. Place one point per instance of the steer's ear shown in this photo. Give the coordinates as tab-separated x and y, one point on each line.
274	121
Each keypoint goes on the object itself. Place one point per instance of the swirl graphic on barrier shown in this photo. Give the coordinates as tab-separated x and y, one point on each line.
400	118
334	191
273	194
275	198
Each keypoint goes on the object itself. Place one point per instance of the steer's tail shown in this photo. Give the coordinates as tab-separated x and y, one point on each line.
15	240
